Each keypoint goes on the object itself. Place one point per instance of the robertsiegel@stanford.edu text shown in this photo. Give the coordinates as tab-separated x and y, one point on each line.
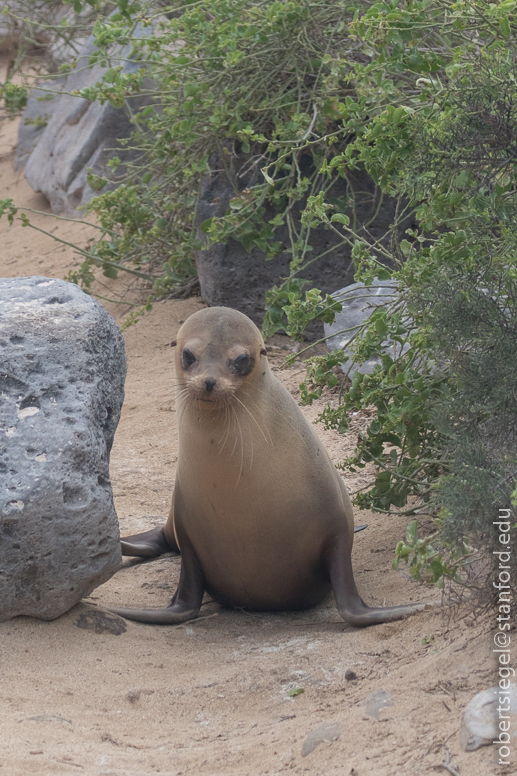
502	638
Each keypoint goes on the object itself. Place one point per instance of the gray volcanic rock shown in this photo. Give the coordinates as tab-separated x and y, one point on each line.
480	719
358	303
62	370
326	732
38	111
376	702
79	135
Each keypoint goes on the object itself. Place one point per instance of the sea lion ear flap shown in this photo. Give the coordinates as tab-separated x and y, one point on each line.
173	343
263	352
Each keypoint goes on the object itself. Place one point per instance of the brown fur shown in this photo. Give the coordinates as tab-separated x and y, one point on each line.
259	512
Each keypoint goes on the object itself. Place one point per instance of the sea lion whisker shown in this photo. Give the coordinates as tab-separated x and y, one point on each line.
235	443
242	448
251	440
253	419
229	417
182	392
183	408
257	409
222	442
284	418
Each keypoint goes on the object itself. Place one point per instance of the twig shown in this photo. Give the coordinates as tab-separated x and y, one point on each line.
94	258
287	361
311	125
448	767
112	301
64	218
198	619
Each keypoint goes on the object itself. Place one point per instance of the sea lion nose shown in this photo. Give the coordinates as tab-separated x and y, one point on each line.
210	383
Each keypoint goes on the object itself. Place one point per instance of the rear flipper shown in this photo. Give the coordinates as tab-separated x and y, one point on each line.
350	605
149	544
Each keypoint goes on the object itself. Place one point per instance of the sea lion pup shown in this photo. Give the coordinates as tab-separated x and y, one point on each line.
261	515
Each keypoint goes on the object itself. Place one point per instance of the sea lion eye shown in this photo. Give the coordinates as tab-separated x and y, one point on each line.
243	365
187	358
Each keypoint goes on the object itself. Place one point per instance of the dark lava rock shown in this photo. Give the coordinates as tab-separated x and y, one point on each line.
231	276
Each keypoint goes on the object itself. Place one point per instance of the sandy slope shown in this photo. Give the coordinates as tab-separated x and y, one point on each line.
211	696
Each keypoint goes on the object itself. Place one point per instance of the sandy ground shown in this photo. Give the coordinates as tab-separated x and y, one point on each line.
212	696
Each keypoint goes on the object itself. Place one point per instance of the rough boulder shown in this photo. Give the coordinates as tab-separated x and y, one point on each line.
63	136
62	370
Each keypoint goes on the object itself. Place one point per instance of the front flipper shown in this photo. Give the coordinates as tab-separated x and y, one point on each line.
186	601
149	544
350	605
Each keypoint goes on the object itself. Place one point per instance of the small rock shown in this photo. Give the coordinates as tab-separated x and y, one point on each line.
47	718
326	731
480	719
376	702
100	621
350	675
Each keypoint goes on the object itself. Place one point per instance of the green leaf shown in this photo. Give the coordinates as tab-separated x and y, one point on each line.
340	218
411	532
383	274
376	130
505	26
406	247
375	428
206	225
267	177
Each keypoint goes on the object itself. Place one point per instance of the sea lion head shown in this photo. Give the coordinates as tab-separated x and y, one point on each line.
218	352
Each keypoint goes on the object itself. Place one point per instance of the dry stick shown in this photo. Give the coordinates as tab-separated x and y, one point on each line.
311	125
319	341
91	256
112	301
448	767
198	619
64	218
